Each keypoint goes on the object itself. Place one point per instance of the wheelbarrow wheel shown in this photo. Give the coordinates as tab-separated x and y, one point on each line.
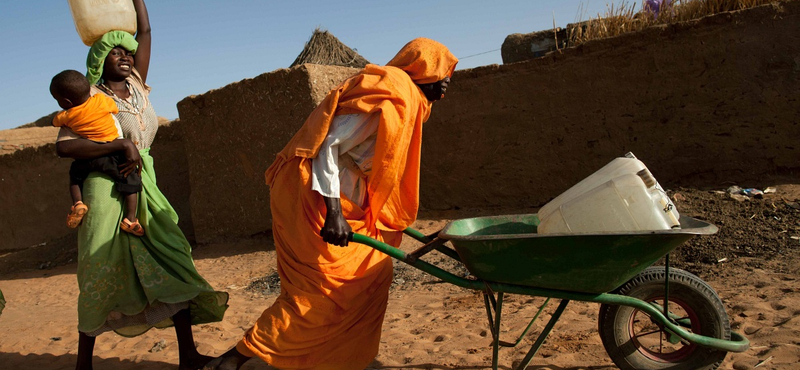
636	342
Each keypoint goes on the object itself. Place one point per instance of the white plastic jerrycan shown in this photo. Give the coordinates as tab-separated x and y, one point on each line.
93	18
622	196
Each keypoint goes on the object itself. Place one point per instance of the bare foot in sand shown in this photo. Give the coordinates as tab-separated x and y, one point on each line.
195	362
231	360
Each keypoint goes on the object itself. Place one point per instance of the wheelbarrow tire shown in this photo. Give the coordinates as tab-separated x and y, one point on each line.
687	291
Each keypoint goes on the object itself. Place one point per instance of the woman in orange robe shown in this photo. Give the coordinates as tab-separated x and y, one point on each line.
333	295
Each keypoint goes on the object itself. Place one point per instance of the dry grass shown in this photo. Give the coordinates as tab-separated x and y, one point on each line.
324	48
628	16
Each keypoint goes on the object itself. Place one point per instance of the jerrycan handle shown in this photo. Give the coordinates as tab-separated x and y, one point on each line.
647	178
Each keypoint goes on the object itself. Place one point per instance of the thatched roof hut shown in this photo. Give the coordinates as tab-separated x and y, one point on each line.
324	48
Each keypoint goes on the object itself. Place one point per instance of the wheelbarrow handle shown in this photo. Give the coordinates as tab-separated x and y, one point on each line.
420	237
378	245
426	267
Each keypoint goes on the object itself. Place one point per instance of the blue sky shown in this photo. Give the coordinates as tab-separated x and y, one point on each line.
200	45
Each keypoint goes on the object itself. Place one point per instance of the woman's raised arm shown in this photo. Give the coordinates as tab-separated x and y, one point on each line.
141	59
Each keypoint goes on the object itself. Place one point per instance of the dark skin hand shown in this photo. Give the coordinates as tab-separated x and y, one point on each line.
336	230
87	149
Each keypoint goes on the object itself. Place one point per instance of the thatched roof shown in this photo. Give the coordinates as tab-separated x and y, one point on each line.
324	48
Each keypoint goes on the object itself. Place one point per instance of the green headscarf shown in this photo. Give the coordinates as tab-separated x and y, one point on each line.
101	48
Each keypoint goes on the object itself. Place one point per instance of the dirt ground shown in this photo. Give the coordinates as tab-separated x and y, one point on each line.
752	263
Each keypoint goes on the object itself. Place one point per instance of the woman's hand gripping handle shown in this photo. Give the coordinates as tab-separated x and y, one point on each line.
336	230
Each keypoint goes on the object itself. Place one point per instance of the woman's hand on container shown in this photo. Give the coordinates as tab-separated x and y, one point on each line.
336	230
133	161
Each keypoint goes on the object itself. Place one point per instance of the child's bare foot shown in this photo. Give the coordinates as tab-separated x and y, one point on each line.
132	227
76	213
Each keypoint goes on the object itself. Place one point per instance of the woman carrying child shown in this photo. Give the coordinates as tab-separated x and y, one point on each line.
130	284
92	117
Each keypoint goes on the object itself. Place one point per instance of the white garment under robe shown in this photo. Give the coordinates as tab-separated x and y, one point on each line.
353	135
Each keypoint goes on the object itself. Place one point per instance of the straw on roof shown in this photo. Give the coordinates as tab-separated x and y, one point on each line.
324	48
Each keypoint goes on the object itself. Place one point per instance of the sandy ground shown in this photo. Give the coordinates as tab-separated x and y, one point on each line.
431	325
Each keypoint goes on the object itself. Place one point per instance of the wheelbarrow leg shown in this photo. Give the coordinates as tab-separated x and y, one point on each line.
498	308
540	340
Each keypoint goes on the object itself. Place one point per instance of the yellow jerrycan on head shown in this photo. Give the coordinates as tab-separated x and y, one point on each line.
93	18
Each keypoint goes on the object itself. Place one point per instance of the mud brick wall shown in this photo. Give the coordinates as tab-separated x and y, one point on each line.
26	137
34	187
233	134
705	103
34	197
172	173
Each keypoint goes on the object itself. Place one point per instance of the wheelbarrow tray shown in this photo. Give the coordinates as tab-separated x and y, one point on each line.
507	249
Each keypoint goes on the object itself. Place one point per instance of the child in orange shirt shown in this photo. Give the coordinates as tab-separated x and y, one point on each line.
92	117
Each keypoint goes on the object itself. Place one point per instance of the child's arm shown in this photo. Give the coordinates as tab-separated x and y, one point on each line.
87	149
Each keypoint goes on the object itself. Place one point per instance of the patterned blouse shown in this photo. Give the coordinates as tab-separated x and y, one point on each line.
136	116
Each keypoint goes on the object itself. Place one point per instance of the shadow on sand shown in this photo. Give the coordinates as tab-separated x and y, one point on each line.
67	362
61	258
377	365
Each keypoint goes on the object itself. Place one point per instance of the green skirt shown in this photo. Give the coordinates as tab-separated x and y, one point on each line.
2	302
122	275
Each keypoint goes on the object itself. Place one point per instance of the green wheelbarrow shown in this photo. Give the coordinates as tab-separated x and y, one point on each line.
650	317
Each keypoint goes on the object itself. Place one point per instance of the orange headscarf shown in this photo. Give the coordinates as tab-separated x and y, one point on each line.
425	61
393	187
92	119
